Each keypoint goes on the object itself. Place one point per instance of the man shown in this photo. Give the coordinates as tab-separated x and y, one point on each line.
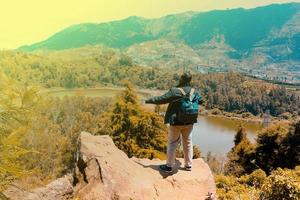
179	126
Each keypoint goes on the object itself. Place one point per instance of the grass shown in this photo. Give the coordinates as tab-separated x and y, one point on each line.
89	92
143	94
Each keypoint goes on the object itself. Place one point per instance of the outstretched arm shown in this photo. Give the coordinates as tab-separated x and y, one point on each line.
166	98
200	98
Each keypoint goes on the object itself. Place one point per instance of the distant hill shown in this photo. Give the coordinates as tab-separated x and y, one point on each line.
242	29
244	39
116	34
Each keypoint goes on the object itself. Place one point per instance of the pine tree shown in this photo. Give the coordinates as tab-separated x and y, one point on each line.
241	155
240	135
137	132
278	146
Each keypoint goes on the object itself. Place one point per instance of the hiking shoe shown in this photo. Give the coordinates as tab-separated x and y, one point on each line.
165	168
188	168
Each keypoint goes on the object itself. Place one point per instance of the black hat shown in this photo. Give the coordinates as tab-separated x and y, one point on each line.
186	77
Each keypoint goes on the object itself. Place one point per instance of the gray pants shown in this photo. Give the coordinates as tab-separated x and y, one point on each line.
175	134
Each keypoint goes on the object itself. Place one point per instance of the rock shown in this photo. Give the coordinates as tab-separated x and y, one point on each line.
103	172
60	189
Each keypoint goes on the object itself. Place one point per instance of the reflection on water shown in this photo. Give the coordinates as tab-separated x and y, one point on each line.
216	134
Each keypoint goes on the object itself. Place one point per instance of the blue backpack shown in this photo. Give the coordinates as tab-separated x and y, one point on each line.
188	112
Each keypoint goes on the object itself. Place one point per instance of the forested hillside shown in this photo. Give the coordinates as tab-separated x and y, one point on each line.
233	92
99	66
237	26
262	41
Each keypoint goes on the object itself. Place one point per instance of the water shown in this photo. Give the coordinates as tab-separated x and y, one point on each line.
213	134
216	134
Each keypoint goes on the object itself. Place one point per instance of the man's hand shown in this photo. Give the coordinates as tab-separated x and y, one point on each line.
147	101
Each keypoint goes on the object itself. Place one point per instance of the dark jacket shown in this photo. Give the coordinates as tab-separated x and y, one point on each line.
172	97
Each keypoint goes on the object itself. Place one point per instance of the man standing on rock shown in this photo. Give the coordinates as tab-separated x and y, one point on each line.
182	113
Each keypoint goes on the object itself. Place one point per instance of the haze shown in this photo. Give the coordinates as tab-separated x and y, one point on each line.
26	22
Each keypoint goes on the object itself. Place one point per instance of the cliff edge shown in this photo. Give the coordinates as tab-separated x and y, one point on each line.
103	172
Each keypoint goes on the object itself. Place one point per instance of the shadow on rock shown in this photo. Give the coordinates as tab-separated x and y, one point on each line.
176	167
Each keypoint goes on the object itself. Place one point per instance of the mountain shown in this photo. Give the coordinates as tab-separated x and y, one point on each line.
253	40
242	29
116	34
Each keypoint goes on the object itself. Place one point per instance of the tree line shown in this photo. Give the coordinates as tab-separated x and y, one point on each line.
230	92
39	133
266	169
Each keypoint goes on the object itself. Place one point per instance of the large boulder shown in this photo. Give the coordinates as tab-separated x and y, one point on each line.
106	173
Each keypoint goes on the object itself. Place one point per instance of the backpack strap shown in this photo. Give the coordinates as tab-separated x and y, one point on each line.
182	91
191	94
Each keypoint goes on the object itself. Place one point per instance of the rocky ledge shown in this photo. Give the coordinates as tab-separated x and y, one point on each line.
103	172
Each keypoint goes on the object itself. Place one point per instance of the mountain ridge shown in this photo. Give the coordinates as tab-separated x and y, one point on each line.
129	25
262	41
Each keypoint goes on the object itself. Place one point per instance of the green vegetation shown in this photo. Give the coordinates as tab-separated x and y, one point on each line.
281	184
248	33
17	106
87	67
272	145
44	151
40	152
230	92
240	156
233	92
246	40
115	34
254	25
138	133
268	169
87	92
278	146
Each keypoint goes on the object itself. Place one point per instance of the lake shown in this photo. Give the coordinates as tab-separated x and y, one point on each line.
99	92
213	134
216	134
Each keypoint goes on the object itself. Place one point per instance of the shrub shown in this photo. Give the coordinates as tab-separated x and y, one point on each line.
216	111
278	146
247	115
282	185
241	155
196	152
229	188
255	179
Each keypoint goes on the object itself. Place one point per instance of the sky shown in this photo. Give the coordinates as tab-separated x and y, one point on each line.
29	21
